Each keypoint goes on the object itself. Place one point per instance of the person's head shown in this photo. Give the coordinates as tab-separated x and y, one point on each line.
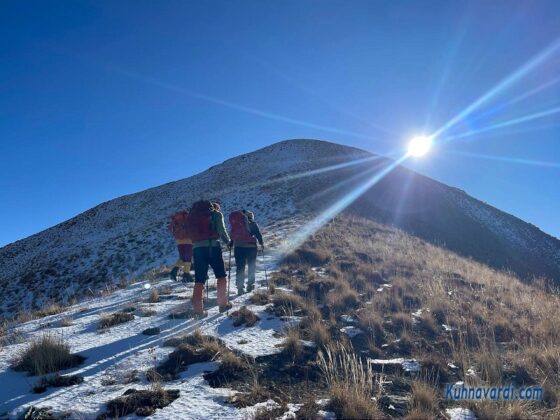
216	206
250	215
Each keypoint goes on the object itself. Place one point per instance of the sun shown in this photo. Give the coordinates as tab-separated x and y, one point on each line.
419	146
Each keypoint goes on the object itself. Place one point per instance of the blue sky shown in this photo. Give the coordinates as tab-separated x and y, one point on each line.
100	99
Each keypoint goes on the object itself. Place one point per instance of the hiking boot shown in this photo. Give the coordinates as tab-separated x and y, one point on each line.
240	292
173	273
221	292
197	302
225	308
187	278
250	288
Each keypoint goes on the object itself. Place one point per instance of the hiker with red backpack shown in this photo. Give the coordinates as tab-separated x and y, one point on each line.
245	234
205	226
178	228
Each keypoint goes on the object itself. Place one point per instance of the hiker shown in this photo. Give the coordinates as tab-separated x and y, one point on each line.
178	228
245	234
206	227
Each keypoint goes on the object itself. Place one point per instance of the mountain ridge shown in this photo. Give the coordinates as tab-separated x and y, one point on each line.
125	236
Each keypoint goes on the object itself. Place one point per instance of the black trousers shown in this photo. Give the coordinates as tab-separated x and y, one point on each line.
245	256
205	257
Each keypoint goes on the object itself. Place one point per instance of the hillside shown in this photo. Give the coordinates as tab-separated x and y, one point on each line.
118	240
362	321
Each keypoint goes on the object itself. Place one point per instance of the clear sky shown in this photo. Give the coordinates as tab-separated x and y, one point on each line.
104	98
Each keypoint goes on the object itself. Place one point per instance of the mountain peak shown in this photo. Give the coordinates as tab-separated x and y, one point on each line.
297	178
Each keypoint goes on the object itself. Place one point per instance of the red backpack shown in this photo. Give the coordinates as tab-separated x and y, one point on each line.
240	227
199	222
178	225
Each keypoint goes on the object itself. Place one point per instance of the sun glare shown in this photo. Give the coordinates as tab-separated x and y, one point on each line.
419	146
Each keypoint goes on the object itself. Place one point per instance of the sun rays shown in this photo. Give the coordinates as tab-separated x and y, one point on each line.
444	134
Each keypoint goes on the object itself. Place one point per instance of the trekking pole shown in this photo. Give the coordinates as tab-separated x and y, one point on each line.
264	266
229	273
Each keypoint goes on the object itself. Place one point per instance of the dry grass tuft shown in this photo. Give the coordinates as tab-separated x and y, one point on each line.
145	312
244	316
401	322
308	257
47	354
351	383
343	297
140	402
50	309
423	400
57	381
193	348
319	334
67	322
196	338
287	304
109	320
154	296
292	346
259	298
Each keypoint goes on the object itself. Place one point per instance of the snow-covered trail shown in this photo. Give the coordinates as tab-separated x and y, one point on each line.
123	351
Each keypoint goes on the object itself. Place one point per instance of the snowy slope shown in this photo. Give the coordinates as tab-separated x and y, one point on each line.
123	351
128	235
125	237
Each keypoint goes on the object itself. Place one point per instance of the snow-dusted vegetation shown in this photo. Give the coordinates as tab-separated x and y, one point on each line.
369	316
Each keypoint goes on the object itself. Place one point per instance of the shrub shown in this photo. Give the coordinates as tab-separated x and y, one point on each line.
47	354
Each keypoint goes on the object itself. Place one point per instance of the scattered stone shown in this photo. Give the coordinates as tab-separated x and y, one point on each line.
152	331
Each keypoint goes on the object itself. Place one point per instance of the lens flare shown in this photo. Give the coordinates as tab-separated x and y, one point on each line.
419	146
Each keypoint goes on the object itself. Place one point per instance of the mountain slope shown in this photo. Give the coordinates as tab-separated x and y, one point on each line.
127	235
361	321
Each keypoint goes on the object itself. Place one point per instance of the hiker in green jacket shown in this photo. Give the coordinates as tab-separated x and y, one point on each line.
206	228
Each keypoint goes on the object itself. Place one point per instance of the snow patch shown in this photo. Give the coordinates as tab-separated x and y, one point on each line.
351	331
460	414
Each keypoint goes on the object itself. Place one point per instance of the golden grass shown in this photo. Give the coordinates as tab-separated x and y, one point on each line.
351	383
109	320
498	323
46	354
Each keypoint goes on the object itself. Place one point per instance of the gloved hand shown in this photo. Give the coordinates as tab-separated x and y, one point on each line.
230	245
262	247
